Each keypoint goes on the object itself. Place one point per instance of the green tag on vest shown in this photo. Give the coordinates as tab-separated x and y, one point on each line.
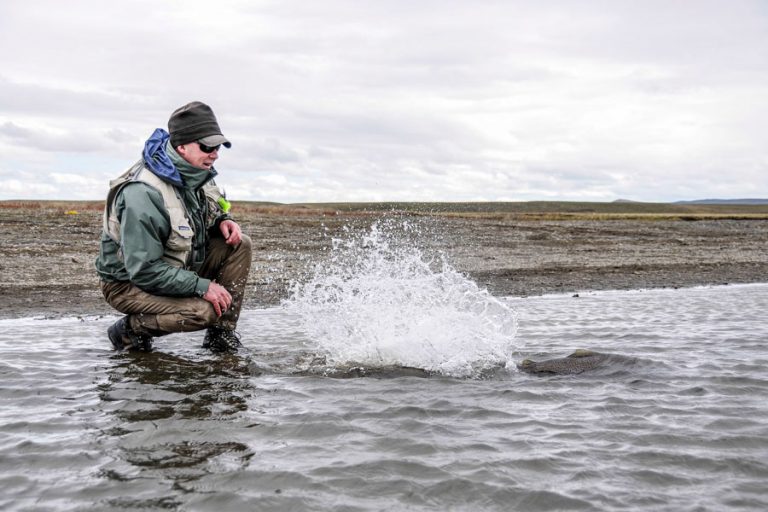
225	205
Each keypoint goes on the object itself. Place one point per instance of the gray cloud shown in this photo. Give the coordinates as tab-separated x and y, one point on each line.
449	100
43	140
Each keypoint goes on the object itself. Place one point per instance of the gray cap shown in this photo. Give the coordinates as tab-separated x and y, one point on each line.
195	122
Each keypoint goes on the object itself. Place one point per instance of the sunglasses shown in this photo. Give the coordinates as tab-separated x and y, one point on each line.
208	149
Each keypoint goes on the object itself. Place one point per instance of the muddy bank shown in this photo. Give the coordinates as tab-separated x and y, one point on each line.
47	253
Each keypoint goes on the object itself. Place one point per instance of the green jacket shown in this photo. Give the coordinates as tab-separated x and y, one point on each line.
145	229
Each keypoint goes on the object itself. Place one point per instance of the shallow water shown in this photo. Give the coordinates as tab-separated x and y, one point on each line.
685	428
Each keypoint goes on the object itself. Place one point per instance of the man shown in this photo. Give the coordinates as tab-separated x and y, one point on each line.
171	257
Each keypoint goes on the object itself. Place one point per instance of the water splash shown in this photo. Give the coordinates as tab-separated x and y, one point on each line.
378	300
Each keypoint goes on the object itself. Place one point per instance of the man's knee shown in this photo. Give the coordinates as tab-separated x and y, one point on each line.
208	316
242	254
201	314
246	244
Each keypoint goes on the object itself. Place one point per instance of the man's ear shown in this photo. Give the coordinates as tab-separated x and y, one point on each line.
182	150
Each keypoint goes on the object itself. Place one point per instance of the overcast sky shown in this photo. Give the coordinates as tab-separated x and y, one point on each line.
414	100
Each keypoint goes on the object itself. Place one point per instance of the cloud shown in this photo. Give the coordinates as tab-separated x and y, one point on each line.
449	100
45	140
15	188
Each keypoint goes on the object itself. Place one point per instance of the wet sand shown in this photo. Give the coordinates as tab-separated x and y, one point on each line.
47	253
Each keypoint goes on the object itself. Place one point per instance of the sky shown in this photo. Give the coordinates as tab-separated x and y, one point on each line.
391	100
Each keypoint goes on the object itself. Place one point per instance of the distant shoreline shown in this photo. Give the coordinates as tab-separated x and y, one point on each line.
530	209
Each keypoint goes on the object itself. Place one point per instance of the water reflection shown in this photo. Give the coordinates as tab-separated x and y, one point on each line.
168	430
163	385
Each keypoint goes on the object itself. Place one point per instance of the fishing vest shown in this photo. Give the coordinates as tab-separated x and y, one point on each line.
178	247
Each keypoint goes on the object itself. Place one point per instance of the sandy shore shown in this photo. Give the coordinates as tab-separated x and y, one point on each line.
47	253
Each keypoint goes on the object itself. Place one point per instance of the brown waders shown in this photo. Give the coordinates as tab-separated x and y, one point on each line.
156	315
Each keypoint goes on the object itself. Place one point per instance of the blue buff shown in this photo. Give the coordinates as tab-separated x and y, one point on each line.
158	160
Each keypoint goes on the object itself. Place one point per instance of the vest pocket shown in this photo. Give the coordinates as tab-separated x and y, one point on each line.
180	238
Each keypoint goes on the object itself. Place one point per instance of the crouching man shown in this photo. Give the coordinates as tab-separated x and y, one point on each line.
171	257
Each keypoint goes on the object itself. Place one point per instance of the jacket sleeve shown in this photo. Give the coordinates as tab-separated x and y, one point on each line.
145	226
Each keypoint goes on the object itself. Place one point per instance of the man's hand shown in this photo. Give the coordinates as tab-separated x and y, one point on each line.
231	232
219	297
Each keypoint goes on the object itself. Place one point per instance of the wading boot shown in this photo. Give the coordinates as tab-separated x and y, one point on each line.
124	338
218	339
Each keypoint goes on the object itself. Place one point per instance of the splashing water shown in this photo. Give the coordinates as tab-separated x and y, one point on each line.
378	301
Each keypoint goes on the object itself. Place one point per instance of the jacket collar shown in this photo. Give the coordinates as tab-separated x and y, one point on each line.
169	166
158	160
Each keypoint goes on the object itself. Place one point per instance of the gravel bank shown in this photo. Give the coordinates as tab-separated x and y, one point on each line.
47	253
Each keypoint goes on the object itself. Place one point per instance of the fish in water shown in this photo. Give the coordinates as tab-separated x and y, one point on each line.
309	364
580	361
377	372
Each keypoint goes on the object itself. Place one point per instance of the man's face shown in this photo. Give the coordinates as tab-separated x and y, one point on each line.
196	157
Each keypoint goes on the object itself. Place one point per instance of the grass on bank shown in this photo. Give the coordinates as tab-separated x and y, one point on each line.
529	210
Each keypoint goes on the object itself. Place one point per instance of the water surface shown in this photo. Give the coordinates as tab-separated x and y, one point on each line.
686	428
